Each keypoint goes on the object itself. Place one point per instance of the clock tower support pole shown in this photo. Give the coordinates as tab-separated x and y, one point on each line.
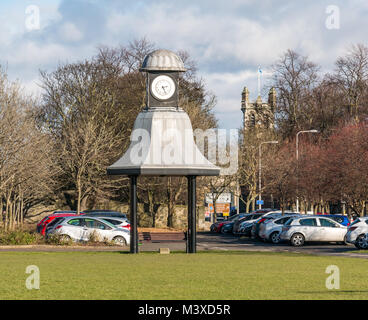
192	234
133	215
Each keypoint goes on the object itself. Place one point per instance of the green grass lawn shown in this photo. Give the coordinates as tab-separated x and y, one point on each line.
206	275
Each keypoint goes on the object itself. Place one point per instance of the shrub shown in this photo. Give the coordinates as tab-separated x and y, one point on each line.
20	238
56	239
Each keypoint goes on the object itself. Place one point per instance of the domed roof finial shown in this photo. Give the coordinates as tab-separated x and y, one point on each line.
162	60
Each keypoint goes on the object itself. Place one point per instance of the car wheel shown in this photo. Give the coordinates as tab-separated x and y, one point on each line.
275	237
119	240
297	240
361	242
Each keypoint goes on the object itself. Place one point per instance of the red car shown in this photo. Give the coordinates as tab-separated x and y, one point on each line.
42	225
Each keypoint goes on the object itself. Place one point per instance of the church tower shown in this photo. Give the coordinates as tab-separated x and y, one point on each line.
258	114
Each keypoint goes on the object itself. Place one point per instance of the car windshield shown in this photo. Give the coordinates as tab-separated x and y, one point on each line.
55	222
109	224
337	218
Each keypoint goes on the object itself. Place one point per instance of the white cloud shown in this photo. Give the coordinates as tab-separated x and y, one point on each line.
227	39
69	32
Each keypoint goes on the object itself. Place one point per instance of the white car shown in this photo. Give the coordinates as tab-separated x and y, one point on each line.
83	228
117	222
301	229
357	233
270	229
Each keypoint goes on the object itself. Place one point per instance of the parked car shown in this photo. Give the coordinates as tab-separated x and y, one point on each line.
118	222
227	227
247	216
81	228
268	216
104	213
312	228
217	226
271	228
42	225
237	223
357	233
53	223
245	226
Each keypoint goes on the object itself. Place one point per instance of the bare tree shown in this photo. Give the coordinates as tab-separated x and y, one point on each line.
294	76
351	76
26	168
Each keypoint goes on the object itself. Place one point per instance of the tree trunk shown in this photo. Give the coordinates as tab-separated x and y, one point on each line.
79	190
151	208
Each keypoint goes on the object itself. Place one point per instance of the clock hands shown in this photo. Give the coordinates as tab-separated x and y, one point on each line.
163	88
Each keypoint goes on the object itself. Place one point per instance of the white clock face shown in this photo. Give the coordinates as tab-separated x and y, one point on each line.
163	87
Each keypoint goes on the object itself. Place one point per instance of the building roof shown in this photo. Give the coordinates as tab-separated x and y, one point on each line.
162	60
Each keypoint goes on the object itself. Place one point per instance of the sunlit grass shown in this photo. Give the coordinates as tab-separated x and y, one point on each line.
206	275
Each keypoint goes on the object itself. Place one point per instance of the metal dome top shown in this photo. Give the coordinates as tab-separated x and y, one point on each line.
163	60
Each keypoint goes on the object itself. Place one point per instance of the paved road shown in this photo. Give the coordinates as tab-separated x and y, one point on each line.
219	242
213	241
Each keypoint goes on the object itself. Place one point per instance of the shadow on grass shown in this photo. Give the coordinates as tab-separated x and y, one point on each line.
223	253
333	292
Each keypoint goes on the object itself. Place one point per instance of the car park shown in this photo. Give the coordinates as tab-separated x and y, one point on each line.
82	228
217	226
245	226
248	216
357	233
269	215
298	230
237	224
42	225
251	227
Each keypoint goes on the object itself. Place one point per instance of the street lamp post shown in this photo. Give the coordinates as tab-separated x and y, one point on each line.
297	159
260	172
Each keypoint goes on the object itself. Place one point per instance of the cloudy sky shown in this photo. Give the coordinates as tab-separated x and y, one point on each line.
228	39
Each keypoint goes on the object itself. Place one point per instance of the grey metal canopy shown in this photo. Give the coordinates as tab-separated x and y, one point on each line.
162	144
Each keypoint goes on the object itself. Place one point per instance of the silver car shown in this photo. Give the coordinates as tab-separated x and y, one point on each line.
357	233
270	229
312	228
83	228
117	222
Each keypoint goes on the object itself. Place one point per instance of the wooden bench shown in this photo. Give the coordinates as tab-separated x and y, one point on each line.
162	236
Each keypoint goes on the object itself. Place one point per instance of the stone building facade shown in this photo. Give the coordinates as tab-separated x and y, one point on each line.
258	114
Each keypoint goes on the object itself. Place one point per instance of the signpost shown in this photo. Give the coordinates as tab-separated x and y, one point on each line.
223	203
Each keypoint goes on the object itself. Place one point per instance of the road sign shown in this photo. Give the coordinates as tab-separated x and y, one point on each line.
224	197
223	208
261	202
